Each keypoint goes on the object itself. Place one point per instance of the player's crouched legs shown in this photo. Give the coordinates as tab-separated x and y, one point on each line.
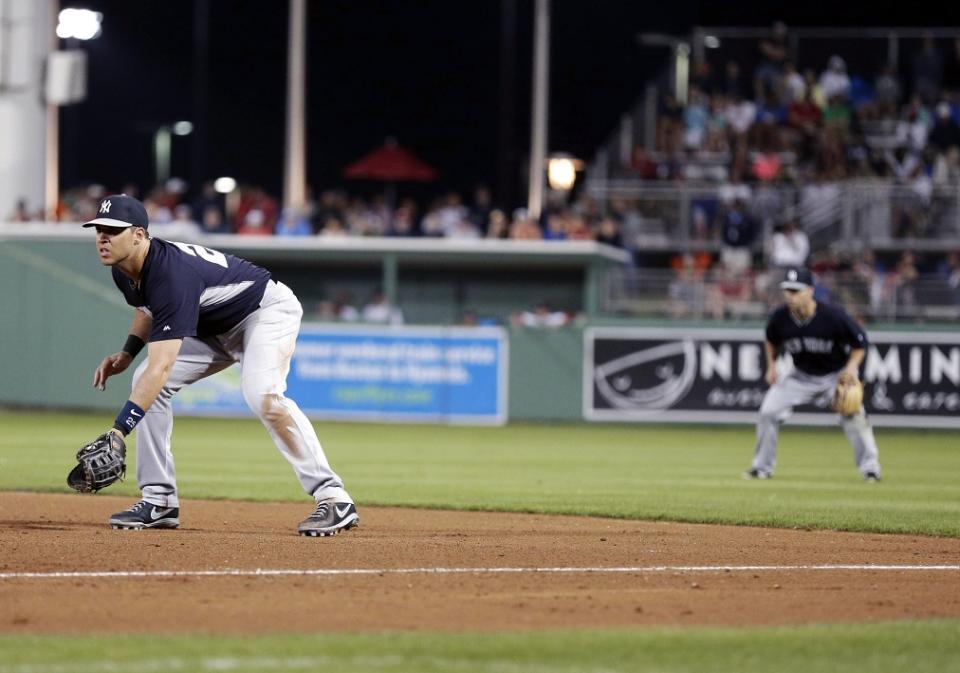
296	439
866	455
772	413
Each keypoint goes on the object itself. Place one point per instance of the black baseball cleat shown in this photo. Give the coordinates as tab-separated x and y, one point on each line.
754	473
146	515
329	518
871	477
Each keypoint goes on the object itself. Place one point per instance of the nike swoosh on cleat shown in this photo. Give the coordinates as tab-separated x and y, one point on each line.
344	512
156	514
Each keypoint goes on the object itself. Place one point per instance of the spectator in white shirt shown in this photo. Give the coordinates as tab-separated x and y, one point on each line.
834	80
789	246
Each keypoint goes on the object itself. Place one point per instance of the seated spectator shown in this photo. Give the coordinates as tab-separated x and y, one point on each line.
254	198
727	293
834	81
903	282
609	232
479	214
209	199
254	224
181	228
685	292
497	225
541	316
695	121
463	230
737	234
556	229
331	205
578	229
334	228
946	132
789	246
343	308
404	222
917	121
379	311
837	116
792	85
717	128
888	92
669	124
949	272
525	229
452	215
213	222
294	222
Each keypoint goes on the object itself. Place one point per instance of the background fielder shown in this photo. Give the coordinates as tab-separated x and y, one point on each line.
827	346
202	311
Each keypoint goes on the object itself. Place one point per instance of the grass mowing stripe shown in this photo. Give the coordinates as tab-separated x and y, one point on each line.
918	646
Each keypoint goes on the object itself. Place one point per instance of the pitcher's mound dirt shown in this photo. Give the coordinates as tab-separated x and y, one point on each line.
68	533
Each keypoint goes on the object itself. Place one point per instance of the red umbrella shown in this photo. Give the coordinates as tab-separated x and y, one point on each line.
391	163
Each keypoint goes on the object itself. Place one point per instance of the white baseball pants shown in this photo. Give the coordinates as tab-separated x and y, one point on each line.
263	344
799	388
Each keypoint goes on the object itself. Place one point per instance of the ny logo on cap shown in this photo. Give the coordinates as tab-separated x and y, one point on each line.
105	206
791	274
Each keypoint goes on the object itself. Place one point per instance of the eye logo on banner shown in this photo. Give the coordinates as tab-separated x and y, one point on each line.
716	375
647	379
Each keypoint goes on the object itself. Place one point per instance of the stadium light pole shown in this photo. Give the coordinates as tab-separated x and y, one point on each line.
294	170
541	108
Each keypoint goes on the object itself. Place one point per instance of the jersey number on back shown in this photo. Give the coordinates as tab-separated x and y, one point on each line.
203	253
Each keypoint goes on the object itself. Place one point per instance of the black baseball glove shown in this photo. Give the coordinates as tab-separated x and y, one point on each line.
102	462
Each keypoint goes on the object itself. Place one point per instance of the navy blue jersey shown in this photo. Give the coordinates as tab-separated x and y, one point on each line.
190	290
820	345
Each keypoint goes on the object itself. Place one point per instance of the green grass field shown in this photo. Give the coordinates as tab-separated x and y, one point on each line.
682	473
918	647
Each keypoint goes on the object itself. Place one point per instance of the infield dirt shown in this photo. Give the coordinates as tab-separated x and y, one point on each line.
68	533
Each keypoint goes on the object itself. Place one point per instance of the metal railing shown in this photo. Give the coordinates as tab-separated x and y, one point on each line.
849	216
869	295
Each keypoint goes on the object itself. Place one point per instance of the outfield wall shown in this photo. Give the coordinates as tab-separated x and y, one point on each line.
62	314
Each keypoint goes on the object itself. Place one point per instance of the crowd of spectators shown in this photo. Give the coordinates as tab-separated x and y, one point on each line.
748	126
785	121
337	214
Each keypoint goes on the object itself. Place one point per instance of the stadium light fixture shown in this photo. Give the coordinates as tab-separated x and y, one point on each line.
224	185
80	24
562	171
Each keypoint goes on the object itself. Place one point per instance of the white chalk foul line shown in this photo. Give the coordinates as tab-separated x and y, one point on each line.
305	572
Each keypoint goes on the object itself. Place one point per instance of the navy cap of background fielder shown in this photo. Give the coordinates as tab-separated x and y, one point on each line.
797	278
120	210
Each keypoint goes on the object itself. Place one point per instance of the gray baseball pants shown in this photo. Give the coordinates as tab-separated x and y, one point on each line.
263	344
799	388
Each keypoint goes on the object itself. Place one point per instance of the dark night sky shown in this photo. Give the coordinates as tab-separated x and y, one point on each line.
425	71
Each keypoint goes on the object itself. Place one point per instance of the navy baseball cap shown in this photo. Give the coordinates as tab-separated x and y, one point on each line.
120	210
796	278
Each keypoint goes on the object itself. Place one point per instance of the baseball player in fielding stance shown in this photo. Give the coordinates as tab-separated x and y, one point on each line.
199	311
827	346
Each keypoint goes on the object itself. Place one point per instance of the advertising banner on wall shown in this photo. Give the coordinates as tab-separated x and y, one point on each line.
911	379
439	375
